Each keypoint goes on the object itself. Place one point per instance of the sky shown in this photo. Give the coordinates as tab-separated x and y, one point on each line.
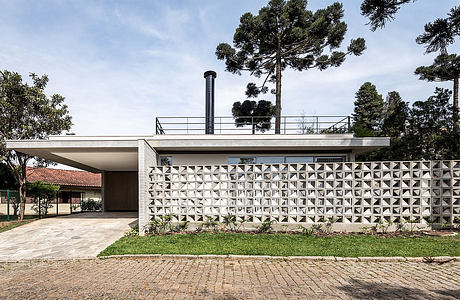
119	64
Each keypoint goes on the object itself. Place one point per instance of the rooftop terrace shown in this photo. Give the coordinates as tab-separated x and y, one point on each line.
252	125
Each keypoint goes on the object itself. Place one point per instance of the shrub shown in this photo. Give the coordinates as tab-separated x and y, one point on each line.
133	231
211	224
160	225
91	205
266	226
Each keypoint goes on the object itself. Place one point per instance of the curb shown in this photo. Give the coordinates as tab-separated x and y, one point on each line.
47	259
439	259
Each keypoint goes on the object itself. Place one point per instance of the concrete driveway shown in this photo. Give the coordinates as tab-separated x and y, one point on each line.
76	236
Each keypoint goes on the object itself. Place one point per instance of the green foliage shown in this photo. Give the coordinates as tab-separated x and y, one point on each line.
266	226
257	114
441	32
91	205
181	227
133	231
211	224
26	112
444	68
7	180
395	115
368	112
43	193
160	225
429	131
380	12
285	34
438	34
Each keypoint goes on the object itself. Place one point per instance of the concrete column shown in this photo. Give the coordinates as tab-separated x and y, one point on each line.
147	158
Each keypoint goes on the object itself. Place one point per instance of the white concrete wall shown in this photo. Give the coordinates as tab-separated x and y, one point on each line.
147	158
357	194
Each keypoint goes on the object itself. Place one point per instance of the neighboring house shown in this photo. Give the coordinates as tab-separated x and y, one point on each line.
129	181
75	186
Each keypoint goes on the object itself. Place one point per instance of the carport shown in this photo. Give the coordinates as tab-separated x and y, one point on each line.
116	158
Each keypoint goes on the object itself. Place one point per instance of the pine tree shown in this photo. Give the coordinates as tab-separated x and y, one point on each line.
285	34
258	114
445	68
368	112
395	115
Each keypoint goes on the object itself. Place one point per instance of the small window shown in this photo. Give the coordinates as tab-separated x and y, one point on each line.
240	160
326	159
165	160
270	159
299	159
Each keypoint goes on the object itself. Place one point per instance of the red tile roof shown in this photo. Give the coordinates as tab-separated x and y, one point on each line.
64	177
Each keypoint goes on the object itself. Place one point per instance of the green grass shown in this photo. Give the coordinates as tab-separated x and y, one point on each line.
14	224
286	245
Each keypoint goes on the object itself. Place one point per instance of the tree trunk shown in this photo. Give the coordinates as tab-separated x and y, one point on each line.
278	91
455	104
22	192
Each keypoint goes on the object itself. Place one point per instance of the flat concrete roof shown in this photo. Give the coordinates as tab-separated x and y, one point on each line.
119	153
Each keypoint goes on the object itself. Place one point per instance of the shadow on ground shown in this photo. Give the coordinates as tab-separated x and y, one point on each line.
359	289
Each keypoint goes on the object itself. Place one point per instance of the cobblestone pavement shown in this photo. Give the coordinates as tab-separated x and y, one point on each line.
225	278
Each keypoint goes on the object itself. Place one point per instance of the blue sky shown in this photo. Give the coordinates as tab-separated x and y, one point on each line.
120	63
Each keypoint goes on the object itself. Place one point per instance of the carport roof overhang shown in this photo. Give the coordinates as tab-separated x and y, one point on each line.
120	153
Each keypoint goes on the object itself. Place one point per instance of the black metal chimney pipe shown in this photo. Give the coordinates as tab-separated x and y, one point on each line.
209	126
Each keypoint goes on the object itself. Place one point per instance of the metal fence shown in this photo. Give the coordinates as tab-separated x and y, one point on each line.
251	125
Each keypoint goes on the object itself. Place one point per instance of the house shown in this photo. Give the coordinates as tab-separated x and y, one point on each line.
75	186
189	147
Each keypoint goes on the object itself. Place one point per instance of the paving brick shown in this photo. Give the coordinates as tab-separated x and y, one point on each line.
166	277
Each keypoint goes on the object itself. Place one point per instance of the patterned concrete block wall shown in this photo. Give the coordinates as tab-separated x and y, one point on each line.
364	193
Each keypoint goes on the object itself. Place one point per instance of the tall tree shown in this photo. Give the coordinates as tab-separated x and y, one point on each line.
445	68
430	129
26	112
286	34
258	114
438	34
395	115
368	111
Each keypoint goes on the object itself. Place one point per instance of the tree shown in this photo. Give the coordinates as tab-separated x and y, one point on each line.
27	113
7	180
445	68
368	111
286	34
430	129
258	114
395	115
438	35
43	193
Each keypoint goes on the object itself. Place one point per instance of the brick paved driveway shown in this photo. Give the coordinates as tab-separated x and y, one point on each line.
206	278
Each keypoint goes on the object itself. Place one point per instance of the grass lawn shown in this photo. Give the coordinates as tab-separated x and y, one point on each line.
13	223
286	245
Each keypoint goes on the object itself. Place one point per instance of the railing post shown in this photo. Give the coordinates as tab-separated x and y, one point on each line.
317	125
187	125
349	124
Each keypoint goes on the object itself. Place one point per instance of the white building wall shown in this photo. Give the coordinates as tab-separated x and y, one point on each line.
147	159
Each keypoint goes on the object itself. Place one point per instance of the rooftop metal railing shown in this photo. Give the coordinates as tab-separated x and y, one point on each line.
252	125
